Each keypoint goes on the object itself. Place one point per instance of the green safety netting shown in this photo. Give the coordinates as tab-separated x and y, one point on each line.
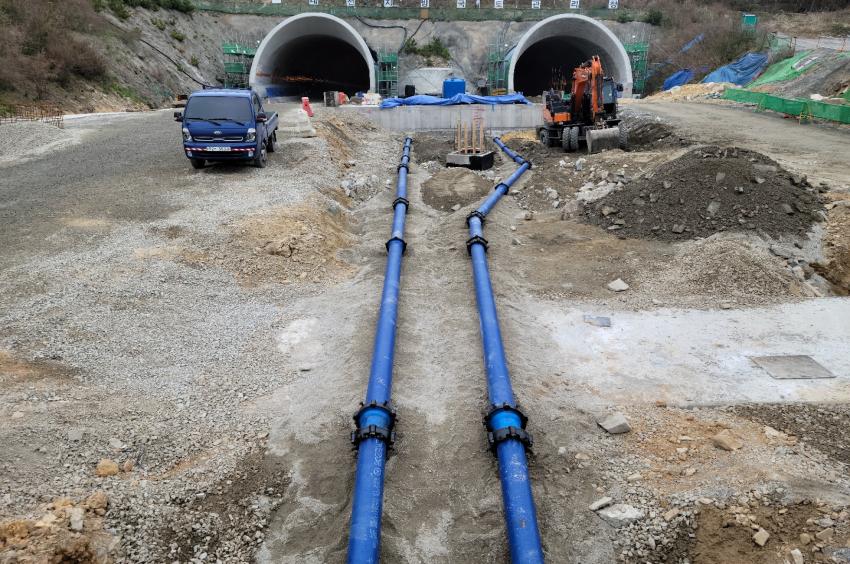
791	107
786	69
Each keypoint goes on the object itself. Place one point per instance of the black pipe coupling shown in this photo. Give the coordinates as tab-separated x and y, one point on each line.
401	200
496	436
501	185
385	434
476	240
477	214
403	244
405	166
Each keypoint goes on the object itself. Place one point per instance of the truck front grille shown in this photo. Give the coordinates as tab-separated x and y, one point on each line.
229	139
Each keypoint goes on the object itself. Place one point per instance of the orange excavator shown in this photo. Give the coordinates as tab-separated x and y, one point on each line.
588	115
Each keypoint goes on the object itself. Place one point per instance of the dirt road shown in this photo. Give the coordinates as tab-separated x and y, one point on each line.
819	151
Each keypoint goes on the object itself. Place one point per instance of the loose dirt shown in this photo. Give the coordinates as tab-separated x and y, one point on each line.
709	190
454	187
836	267
21	141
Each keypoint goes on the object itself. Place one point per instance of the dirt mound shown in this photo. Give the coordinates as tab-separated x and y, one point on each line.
454	186
29	139
731	270
285	245
709	190
647	132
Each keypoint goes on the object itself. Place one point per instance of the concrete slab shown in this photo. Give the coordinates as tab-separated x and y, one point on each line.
433	118
789	367
697	357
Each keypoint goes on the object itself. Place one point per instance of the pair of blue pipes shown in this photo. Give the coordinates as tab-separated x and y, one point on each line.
505	422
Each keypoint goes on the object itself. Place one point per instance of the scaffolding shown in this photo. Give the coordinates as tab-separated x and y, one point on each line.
638	57
497	69
238	58
387	71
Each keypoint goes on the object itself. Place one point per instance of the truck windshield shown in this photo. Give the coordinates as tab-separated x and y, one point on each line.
217	108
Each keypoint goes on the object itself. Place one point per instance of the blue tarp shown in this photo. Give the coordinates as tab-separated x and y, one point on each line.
741	72
678	78
423	100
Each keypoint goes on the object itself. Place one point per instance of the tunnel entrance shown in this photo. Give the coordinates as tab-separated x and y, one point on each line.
309	54
549	64
311	65
546	54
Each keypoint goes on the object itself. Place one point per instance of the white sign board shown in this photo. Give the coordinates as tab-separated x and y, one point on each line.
424	3
574	4
612	4
498	4
275	1
535	4
350	3
461	4
313	2
388	3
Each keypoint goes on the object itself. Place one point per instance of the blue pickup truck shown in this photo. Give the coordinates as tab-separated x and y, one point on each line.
227	125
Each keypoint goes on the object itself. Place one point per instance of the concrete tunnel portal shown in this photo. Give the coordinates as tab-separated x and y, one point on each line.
310	53
563	42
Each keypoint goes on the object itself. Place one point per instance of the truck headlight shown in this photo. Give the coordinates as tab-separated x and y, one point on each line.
186	135
251	135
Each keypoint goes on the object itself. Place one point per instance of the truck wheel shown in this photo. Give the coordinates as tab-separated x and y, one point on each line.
272	142
623	140
573	139
260	159
198	163
543	135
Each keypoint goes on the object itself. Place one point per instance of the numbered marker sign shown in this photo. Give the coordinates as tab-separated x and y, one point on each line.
461	4
612	4
388	3
424	3
349	3
574	4
535	4
498	4
313	2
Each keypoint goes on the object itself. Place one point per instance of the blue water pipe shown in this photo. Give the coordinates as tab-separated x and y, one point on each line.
505	422
376	418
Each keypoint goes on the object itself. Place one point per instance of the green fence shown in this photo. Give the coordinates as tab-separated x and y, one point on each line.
798	108
412	13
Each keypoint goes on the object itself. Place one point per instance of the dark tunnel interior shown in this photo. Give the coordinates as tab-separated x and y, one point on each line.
540	66
311	65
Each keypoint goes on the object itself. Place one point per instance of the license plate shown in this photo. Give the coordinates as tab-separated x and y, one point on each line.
217	149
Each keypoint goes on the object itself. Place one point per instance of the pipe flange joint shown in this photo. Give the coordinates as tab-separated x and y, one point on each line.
477	214
509	433
403	244
405	166
476	240
501	185
497	408
402	200
362	432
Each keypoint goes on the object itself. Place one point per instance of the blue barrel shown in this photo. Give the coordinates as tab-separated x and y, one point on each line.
452	86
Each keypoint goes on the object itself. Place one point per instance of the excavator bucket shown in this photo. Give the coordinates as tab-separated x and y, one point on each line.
602	139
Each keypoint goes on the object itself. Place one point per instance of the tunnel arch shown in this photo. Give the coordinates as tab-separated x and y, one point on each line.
310	53
565	41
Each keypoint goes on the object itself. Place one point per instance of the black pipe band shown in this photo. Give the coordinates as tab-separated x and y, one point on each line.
505	407
404	201
509	433
403	244
405	166
476	240
372	432
477	214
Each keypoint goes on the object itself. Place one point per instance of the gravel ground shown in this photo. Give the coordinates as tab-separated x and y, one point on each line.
188	347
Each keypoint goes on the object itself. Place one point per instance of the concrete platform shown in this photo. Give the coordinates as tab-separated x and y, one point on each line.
431	118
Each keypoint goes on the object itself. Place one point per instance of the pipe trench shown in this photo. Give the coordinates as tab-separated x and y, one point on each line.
505	422
376	418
